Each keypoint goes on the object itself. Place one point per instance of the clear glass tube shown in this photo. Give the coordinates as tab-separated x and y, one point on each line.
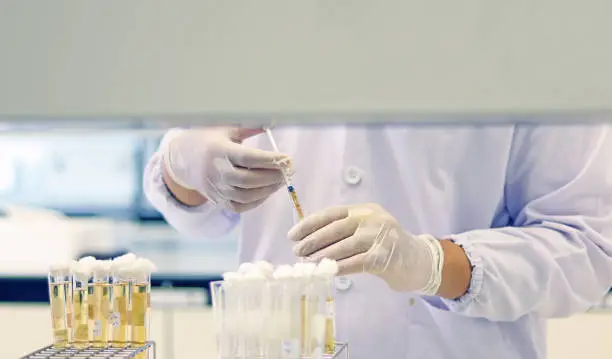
80	312
314	315
320	296
99	308
252	301
60	296
140	309
119	335
330	319
285	300
223	315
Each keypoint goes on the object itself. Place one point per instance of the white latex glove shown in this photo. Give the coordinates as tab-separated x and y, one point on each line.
366	238
214	162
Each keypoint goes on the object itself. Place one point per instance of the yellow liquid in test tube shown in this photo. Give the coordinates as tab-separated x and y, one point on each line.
99	310
81	318
120	322
140	306
139	316
330	327
59	294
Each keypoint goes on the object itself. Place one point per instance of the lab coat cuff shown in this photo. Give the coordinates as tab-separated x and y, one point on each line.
475	288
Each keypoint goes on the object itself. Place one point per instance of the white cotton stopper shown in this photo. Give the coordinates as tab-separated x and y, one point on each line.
97	267
309	268
254	274
106	266
128	257
121	264
303	270
327	267
144	265
245	267
266	268
88	260
140	269
298	270
82	270
232	276
62	268
283	272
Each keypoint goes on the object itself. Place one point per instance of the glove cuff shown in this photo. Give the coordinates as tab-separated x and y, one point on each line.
437	255
166	152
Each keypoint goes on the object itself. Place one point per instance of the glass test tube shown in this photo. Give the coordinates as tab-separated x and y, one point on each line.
60	296
330	312
305	316
287	297
252	297
99	305
318	293
80	310
223	316
140	308
119	309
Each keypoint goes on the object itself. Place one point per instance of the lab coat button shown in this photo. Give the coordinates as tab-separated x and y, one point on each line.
343	283
353	175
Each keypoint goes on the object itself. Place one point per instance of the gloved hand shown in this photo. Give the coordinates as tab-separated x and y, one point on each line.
366	238
214	162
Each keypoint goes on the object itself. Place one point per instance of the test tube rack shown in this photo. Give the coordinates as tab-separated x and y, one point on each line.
342	351
127	352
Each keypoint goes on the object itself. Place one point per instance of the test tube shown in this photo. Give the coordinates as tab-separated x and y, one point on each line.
140	303
230	314
219	305
303	273
120	301
317	296
80	311
99	304
326	270
60	296
285	297
252	294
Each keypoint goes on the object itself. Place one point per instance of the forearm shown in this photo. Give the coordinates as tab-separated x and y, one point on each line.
456	271
537	269
191	198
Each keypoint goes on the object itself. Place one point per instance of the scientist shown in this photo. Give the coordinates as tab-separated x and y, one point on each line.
452	242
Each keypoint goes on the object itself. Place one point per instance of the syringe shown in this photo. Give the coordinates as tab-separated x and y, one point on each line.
286	175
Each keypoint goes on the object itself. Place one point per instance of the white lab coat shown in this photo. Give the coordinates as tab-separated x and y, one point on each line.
452	183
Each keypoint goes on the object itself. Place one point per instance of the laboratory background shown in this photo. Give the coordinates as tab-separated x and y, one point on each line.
67	195
85	105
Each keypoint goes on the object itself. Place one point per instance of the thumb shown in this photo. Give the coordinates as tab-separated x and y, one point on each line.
239	134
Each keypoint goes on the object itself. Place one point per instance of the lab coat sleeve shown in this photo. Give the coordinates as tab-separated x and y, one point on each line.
206	221
553	256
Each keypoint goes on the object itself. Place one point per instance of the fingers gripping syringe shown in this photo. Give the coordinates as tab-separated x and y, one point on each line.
285	170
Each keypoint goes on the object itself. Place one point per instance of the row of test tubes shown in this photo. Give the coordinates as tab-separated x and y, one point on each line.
101	303
282	313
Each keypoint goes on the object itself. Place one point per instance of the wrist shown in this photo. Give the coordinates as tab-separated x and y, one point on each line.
456	271
184	196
